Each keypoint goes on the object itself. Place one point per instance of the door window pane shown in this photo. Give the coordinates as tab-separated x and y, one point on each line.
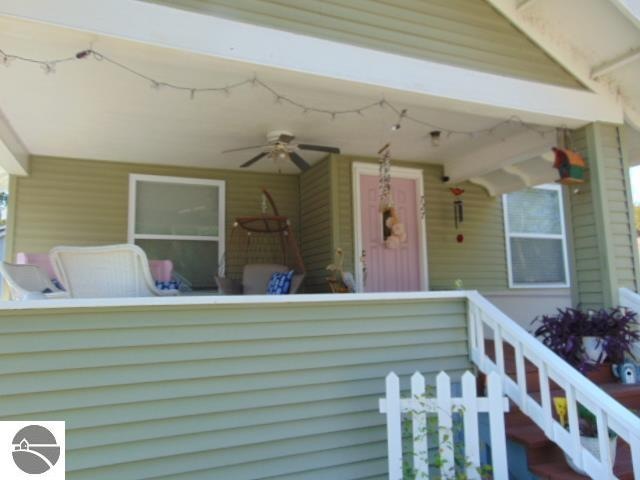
176	209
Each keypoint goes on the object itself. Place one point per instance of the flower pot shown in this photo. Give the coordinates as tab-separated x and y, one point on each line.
591	444
593	349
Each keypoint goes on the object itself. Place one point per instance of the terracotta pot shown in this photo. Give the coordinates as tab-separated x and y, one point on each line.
591	444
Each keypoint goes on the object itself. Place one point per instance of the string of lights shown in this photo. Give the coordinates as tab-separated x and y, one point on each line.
435	131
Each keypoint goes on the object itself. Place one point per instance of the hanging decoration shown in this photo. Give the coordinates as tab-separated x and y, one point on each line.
384	179
436	132
393	231
458	211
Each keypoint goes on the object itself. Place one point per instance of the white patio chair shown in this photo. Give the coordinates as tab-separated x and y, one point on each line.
29	282
105	272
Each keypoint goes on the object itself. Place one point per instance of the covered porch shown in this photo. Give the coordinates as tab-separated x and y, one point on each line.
95	113
128	111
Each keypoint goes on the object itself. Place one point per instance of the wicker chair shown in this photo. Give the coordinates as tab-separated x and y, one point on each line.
105	272
29	282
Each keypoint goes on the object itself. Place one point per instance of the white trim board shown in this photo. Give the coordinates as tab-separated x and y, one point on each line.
240	300
436	84
362	168
14	157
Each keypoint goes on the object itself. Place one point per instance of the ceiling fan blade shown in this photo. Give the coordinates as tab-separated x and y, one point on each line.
299	161
285	138
318	148
245	148
253	160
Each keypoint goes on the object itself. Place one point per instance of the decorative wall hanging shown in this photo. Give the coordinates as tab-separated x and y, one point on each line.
571	166
393	231
458	211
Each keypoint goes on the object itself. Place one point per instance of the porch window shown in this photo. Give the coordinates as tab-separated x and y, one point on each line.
180	219
536	238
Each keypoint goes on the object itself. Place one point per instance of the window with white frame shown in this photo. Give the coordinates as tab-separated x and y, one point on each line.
182	220
536	238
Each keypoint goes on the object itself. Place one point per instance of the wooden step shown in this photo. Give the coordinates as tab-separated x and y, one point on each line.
559	470
545	459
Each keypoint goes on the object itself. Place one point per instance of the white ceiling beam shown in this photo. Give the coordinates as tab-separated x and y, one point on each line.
496	156
615	63
562	52
436	85
630	9
14	157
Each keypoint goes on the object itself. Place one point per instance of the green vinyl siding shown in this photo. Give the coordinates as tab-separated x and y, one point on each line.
315	213
603	227
82	202
465	33
480	261
219	391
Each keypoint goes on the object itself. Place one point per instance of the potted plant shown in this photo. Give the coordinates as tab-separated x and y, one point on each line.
585	339
613	333
588	432
563	333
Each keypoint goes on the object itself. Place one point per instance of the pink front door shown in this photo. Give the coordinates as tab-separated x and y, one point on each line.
390	270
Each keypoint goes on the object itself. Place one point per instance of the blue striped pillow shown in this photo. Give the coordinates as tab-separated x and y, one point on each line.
280	283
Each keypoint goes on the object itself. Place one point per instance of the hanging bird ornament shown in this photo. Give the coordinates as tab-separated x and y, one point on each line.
458	211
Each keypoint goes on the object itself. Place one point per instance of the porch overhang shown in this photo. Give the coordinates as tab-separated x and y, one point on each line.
14	158
438	85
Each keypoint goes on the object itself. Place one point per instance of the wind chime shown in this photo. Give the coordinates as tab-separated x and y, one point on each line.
458	211
393	231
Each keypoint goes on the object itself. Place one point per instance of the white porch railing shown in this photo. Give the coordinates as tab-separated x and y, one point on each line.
442	407
486	322
630	299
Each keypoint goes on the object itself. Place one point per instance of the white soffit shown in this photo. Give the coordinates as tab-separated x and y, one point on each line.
91	110
598	41
461	89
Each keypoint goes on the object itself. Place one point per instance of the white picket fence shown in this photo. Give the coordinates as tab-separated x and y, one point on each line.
420	406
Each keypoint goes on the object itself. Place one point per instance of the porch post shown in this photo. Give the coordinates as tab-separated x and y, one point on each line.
604	239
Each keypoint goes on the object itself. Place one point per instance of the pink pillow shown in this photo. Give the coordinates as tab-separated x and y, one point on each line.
161	270
39	259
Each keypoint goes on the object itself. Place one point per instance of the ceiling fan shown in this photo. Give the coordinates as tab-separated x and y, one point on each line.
279	147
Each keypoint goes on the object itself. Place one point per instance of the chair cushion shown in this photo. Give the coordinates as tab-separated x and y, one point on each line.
280	283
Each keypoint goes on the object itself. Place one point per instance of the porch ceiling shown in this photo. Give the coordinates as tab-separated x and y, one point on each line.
92	110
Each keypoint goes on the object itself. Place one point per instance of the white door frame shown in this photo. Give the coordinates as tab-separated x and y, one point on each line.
359	169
